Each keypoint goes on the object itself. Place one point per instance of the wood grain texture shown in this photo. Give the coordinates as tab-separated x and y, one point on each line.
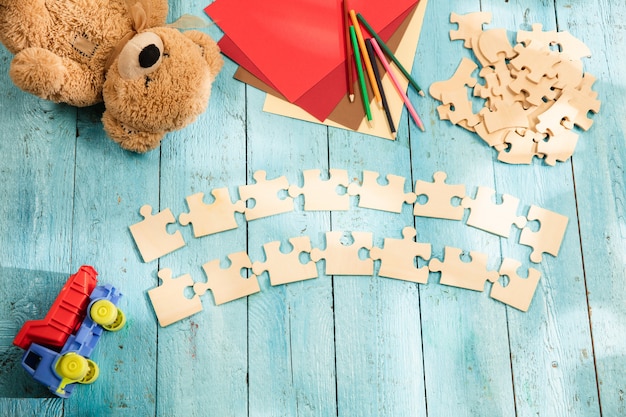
334	345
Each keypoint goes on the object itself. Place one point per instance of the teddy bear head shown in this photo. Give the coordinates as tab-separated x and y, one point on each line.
159	82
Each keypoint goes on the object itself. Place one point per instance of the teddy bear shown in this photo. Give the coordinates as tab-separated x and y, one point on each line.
152	78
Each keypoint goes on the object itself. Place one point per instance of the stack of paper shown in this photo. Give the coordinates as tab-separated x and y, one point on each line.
296	51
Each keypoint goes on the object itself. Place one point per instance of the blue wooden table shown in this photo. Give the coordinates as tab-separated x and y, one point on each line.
343	345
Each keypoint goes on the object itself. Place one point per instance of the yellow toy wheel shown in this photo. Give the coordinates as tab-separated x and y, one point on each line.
92	374
72	366
103	312
118	323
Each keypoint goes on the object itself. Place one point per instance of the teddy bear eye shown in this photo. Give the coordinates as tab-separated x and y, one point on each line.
141	55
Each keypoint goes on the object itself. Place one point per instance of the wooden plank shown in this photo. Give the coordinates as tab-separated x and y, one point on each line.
37	142
550	344
598	168
202	361
465	342
111	184
290	326
377	320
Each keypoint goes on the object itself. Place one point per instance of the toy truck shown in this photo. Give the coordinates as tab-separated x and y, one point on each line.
58	348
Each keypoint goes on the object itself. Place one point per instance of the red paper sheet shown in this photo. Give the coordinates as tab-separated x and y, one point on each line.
297	47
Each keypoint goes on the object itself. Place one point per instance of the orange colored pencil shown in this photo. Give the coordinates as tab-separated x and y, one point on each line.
346	23
368	64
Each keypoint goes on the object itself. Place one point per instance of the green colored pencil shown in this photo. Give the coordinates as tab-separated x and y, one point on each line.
359	68
389	53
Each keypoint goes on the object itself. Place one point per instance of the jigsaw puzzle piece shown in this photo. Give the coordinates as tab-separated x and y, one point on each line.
519	292
572	47
169	301
492	217
440	195
265	193
389	197
550	235
228	284
494	46
493	139
322	194
462	77
540	63
506	115
470	26
558	147
522	147
398	257
457	107
456	272
342	253
284	268
585	103
537	38
207	219
151	236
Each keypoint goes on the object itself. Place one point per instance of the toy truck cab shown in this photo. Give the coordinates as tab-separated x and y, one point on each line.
59	346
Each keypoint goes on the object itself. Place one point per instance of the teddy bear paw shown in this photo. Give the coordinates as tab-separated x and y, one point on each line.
39	72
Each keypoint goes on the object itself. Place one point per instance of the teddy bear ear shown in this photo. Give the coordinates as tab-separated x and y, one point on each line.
128	138
209	48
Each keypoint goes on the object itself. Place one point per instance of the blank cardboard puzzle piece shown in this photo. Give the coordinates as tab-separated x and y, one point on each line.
456	272
551	120
558	147
493	139
537	38
519	292
440	196
342	253
284	268
522	147
470	26
151	236
492	217
540	63
572	47
494	45
504	116
462	77
550	235
457	107
322	194
534	93
228	284
584	103
398	257
388	197
265	193
207	219
169	301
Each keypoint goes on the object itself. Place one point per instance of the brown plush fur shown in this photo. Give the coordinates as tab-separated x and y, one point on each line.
61	48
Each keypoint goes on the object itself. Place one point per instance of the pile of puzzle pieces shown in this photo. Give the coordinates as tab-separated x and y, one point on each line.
534	95
276	196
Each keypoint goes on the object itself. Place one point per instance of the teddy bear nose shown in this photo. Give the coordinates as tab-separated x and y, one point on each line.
149	56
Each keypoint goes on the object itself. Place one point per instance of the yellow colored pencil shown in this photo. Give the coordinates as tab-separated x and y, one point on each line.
366	60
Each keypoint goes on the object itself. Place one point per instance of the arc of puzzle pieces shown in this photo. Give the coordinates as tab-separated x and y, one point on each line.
398	260
268	197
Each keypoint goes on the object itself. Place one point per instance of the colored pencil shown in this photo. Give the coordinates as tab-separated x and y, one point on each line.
389	53
359	68
372	56
406	100
366	60
346	21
